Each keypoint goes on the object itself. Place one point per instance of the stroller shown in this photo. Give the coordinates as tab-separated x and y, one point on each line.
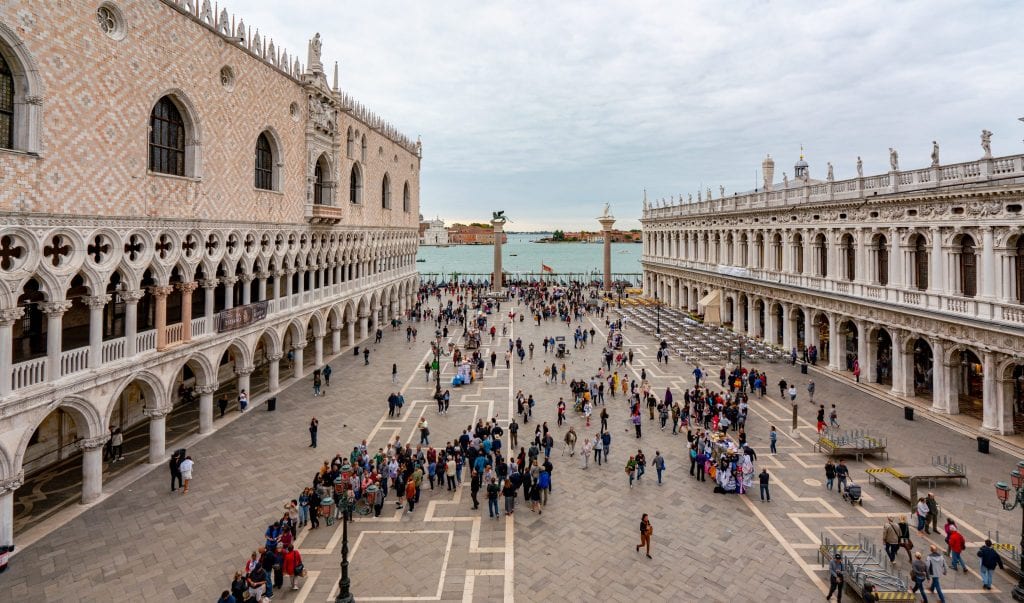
852	494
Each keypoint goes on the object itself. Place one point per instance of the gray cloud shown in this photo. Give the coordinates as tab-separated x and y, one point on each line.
550	109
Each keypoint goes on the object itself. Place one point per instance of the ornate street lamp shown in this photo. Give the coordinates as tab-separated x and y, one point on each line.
1011	501
347	504
437	365
658	304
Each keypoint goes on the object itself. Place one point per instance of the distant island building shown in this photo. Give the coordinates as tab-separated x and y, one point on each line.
473	234
434	233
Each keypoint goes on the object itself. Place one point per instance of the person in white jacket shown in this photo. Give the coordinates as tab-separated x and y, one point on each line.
186	473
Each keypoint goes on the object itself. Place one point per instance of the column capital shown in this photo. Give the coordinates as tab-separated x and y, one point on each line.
350	321
12	483
298	345
188	287
229	280
156	413
209	283
263	274
245	371
204	390
9	315
93	443
275	357
55	307
97	302
131	295
247	277
162	291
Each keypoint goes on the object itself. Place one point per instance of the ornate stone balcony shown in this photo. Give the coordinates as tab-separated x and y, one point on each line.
323	214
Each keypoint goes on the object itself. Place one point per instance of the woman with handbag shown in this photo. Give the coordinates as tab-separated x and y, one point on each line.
292	565
905	541
646	531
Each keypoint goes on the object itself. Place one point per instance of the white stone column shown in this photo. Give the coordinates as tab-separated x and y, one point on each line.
834	347
988	264
498	280
247	289
54	331
1004	393
229	291
862	349
288	288
244	374
206	407
787	328
274	372
937	267
869	362
940	395
860	256
157	433
186	310
131	299
209	291
902	365
335	340
351	332
364	326
297	369
92	467
277	288
96	304
7	488
7	319
606	226
990	405
318	350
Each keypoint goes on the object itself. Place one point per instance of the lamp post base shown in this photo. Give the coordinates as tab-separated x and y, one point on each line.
1018	592
347	599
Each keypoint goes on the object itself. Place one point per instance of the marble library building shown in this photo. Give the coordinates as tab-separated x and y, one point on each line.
188	211
914	276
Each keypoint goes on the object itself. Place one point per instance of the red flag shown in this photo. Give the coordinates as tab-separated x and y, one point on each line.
545	268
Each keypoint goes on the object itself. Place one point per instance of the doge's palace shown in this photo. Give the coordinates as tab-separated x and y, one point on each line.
914	276
188	212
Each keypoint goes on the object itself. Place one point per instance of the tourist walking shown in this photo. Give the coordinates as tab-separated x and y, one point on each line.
659	464
936	568
424	432
646	531
957	545
186	473
773	437
394	372
317	383
292	566
175	467
631	470
117	445
842	473
919	573
570	441
830	474
810	390
588	446
922	514
990	560
243	401
932	519
314	426
327	375
891	538
763	479
222	404
492	498
835	578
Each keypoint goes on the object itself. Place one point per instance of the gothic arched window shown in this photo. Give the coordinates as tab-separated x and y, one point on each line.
166	139
6	105
264	163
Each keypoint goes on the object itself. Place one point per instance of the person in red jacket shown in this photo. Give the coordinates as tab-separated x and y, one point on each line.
957	544
291	564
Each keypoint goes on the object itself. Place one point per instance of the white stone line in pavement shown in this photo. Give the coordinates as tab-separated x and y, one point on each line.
441	577
307	586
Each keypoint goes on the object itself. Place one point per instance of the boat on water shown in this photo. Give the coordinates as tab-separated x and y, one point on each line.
421	260
515	255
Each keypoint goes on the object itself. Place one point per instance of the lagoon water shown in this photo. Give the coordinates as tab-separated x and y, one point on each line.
523	256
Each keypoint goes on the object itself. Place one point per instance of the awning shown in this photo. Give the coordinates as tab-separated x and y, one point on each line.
710	306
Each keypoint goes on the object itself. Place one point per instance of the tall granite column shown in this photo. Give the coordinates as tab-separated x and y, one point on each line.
606	230
498	281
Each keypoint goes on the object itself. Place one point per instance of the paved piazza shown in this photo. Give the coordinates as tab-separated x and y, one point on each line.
143	543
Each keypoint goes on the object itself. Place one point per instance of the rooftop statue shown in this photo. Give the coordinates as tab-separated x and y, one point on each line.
894	159
986	144
935	154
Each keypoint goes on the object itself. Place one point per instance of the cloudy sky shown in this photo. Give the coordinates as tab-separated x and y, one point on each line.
550	109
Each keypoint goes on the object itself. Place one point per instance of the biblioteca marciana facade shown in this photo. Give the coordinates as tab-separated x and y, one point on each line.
183	206
916	276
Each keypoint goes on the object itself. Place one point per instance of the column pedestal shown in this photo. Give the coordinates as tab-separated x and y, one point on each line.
92	468
157	434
